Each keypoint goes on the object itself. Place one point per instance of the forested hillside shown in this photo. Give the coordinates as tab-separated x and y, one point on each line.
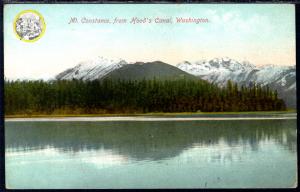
134	96
148	71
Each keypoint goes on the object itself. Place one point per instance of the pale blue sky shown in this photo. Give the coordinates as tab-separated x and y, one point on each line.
261	34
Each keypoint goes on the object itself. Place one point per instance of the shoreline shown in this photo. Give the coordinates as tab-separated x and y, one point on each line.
150	114
183	115
143	119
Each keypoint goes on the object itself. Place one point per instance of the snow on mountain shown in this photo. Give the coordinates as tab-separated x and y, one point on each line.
217	70
270	73
92	69
220	70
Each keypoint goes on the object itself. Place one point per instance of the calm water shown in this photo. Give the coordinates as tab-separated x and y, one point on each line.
152	154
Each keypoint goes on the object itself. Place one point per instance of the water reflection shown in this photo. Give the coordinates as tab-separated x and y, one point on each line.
119	141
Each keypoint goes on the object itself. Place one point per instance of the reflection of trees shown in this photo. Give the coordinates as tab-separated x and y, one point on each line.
147	140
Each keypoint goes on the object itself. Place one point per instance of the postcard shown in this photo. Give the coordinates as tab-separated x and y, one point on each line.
147	96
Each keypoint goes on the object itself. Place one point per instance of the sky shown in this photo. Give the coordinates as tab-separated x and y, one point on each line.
259	33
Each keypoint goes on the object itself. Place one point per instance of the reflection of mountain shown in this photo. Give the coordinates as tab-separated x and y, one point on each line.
147	140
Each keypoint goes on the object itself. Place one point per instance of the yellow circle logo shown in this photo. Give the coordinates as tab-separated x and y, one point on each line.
29	26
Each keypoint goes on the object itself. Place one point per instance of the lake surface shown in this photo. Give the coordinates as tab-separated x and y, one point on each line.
151	154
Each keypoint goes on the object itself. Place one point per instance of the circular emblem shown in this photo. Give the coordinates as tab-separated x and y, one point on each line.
29	26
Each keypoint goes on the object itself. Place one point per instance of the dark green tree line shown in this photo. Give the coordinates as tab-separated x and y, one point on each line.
116	96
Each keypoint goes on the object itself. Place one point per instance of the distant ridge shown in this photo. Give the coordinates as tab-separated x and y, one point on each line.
220	70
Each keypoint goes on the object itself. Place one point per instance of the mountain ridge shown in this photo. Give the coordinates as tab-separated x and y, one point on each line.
91	69
217	70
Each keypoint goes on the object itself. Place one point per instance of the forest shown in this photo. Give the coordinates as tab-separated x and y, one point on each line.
135	96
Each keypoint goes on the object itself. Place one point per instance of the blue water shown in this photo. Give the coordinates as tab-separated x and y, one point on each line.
153	154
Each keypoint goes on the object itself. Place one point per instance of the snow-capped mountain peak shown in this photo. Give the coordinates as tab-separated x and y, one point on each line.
217	70
92	69
223	65
220	70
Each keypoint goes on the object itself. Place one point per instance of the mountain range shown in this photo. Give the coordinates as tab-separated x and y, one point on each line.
217	70
220	70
